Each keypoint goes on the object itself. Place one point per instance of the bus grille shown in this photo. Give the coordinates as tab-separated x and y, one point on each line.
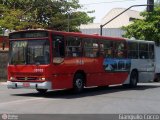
26	78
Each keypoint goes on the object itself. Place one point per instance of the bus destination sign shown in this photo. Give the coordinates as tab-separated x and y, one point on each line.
31	34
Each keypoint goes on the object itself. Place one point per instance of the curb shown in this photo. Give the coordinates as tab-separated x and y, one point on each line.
3	83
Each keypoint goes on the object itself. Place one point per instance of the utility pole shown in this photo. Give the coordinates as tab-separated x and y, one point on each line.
68	21
150	5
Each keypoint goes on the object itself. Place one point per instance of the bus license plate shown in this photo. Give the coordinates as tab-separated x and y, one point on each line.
26	84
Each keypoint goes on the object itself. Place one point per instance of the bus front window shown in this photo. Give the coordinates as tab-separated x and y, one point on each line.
29	52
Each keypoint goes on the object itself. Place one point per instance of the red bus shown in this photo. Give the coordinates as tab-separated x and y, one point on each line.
48	60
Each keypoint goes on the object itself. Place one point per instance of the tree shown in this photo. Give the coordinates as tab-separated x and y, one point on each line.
48	14
147	28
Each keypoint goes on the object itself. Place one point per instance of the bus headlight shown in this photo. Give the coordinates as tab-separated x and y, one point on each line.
42	78
12	78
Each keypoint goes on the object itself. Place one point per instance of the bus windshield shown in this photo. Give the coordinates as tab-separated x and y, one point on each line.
29	52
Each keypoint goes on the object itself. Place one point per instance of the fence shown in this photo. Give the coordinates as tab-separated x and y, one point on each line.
3	65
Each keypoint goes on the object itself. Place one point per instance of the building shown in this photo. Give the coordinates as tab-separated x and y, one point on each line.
114	27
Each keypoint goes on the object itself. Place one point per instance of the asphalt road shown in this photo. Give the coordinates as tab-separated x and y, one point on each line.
113	100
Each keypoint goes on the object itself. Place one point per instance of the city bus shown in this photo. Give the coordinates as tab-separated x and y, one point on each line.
50	60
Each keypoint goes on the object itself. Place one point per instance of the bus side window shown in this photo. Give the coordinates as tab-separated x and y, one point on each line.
120	51
143	51
91	47
73	47
95	49
106	48
151	51
58	45
132	49
101	51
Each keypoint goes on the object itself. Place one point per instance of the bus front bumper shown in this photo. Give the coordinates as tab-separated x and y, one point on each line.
29	85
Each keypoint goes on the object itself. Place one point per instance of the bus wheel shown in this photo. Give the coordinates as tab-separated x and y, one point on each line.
133	79
42	91
78	83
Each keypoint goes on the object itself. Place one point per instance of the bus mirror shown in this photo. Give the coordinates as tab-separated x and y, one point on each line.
58	60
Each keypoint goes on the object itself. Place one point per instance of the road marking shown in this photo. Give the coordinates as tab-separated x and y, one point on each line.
21	101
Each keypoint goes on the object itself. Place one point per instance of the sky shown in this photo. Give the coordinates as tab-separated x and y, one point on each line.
102	7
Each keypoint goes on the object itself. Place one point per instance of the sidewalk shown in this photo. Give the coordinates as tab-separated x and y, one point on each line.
3	81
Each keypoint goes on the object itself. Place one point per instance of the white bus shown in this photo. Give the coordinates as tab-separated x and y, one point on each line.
142	55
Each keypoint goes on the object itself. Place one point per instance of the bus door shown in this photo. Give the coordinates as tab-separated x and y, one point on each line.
59	80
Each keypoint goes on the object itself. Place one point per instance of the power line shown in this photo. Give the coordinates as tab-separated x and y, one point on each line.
108	2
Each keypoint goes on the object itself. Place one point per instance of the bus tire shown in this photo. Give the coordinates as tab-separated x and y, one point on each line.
133	79
42	91
78	83
157	78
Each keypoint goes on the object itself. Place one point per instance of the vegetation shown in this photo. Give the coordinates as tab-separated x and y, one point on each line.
48	14
147	28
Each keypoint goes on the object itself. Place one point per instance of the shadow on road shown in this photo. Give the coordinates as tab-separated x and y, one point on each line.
68	94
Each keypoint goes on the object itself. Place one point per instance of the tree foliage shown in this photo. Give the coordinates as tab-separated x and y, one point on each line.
48	14
147	28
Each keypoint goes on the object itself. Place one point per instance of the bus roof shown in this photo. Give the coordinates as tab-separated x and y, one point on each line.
70	33
96	36
140	41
